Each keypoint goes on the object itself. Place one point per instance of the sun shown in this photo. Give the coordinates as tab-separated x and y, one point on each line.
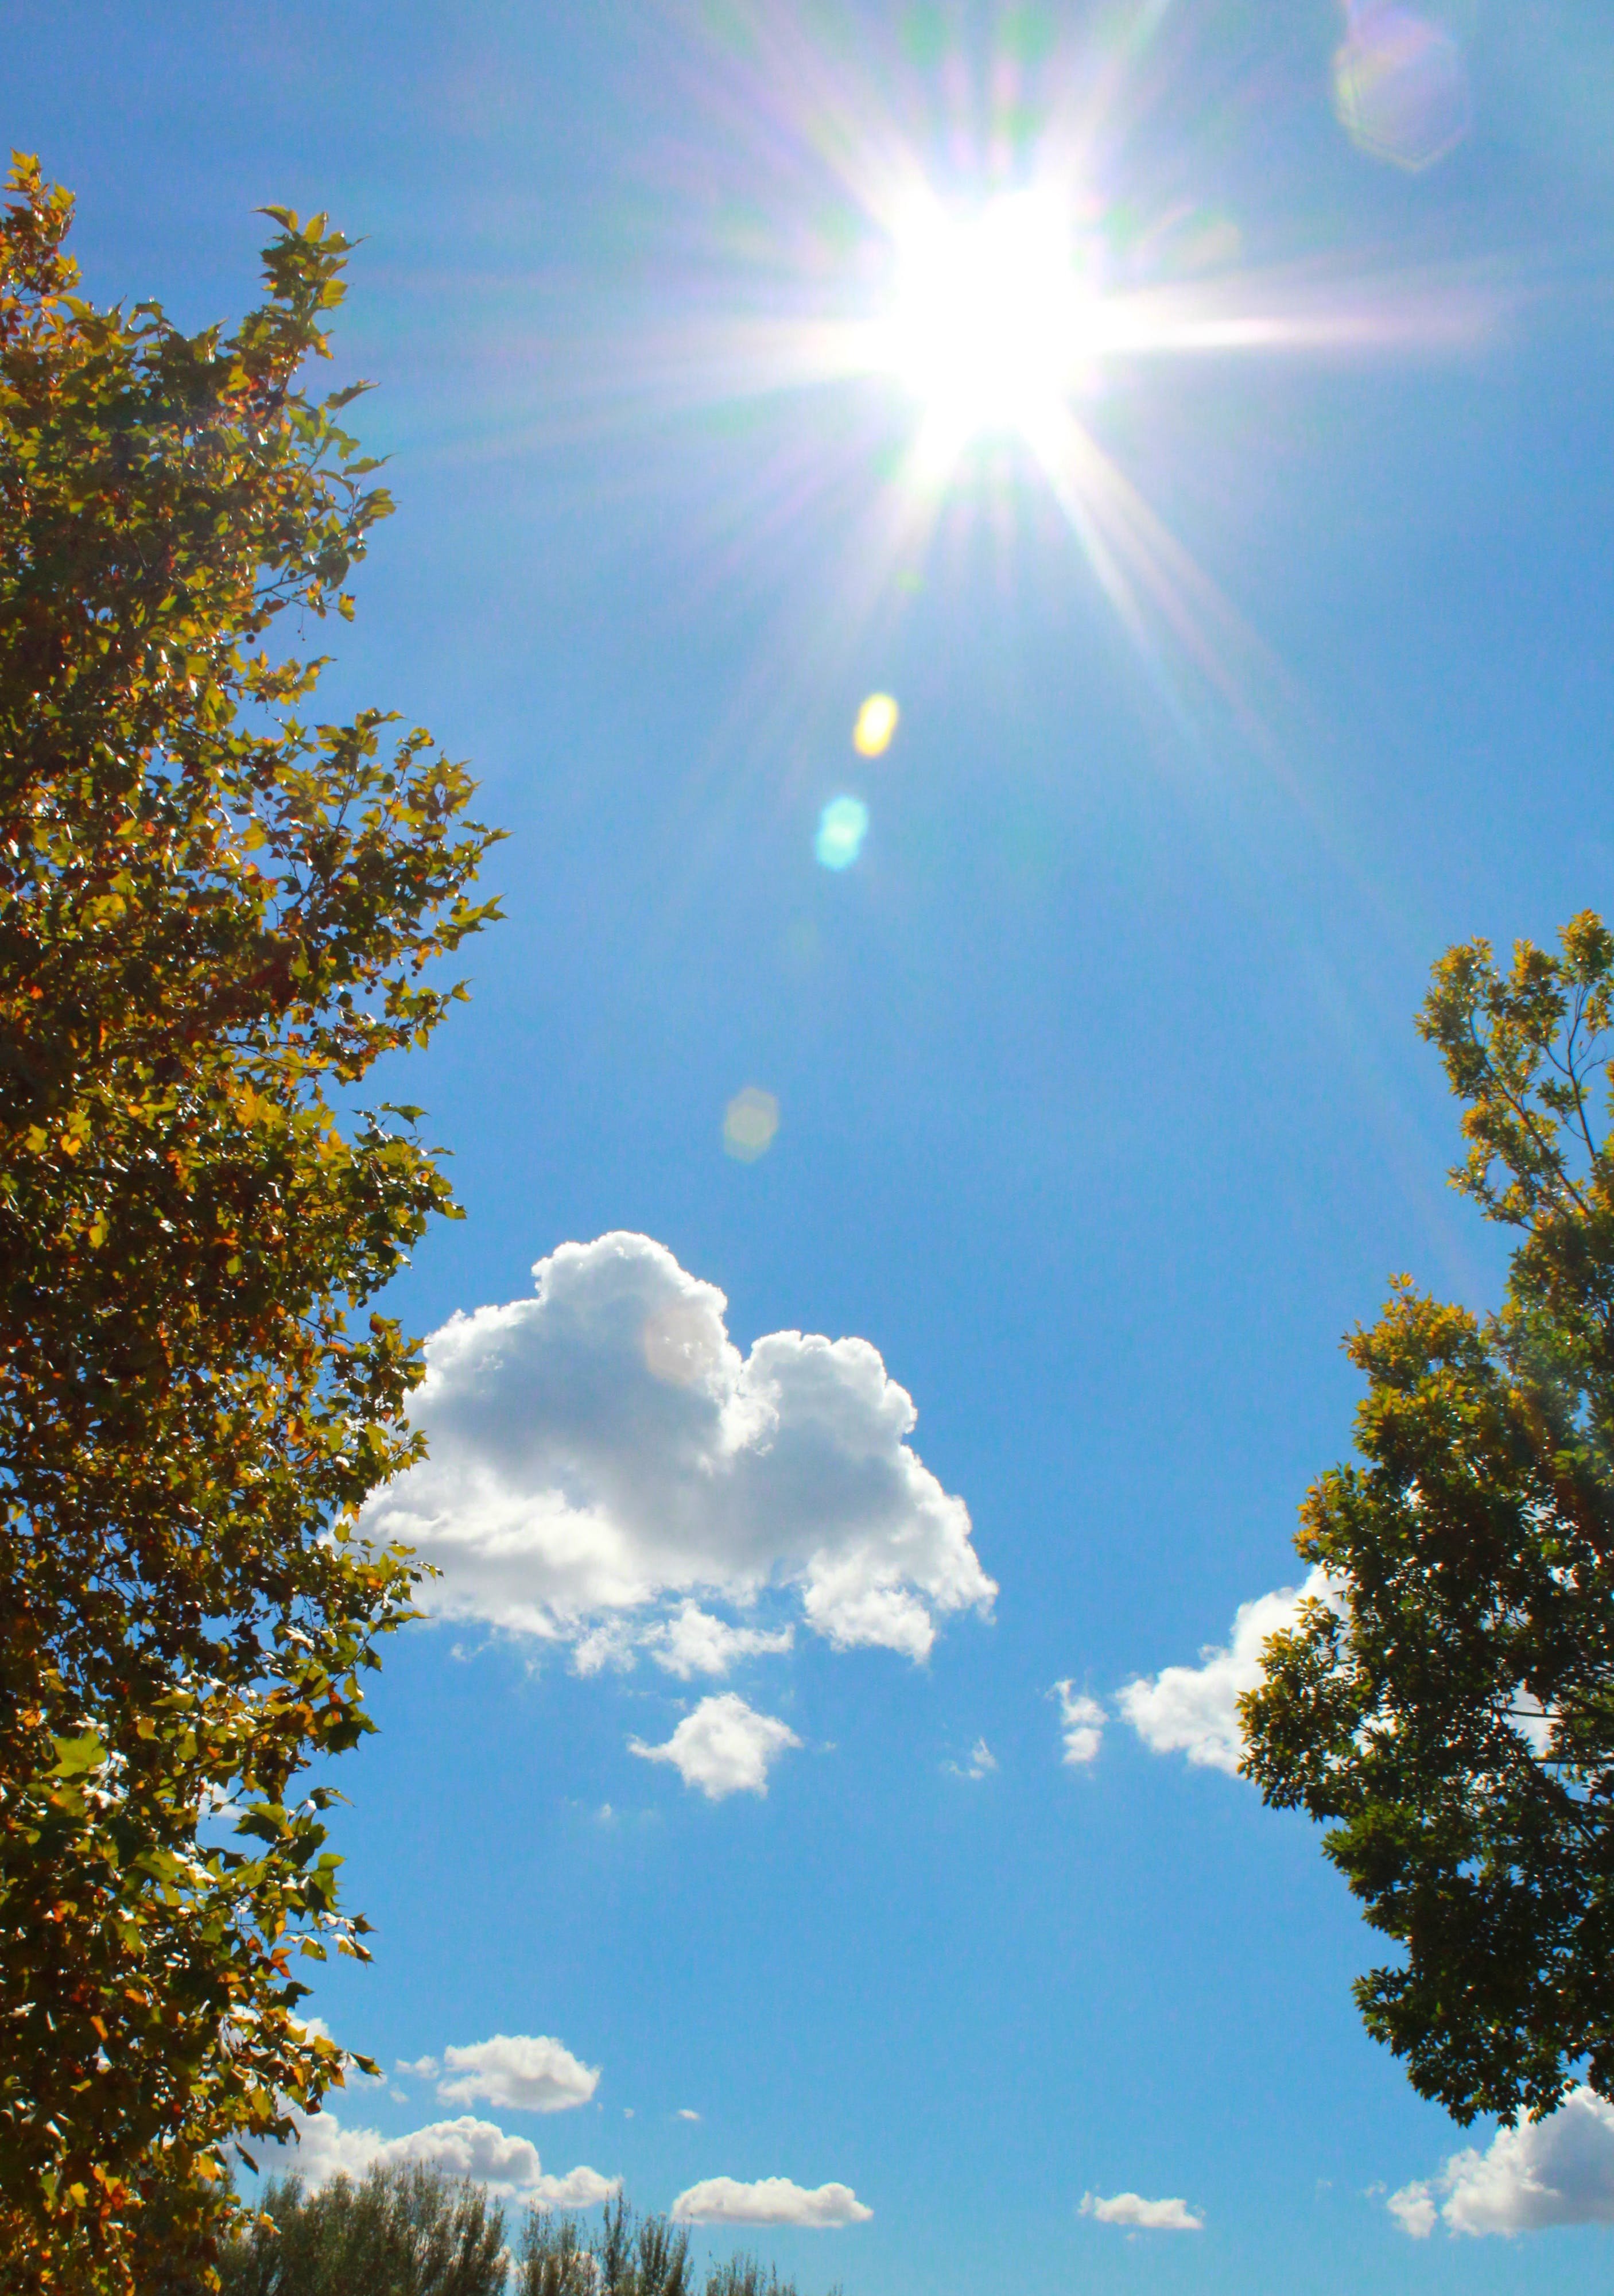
994	317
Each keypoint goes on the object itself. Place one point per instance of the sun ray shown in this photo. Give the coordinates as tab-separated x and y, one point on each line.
914	289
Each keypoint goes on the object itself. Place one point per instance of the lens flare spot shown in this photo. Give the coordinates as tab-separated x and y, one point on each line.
1401	91
842	827
876	723
750	1122
681	1346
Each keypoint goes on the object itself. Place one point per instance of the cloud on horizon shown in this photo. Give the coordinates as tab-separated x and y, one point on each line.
1542	2173
772	2201
603	1447
1138	2215
724	1747
509	2166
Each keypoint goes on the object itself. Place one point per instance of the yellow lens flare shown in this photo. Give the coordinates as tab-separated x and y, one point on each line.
750	1122
877	722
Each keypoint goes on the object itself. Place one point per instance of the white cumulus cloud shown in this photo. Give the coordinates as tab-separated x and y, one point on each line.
1193	1710
695	1642
1131	2209
724	1747
525	2071
578	2188
603	1447
1556	2171
508	2165
1081	1721
772	2201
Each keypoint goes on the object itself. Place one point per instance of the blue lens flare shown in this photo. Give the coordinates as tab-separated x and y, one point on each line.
842	827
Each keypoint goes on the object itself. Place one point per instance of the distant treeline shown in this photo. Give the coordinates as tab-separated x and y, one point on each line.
408	2230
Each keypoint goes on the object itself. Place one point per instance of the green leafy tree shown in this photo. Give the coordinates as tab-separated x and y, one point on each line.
214	918
555	2260
627	2255
743	2275
1448	1711
406	2230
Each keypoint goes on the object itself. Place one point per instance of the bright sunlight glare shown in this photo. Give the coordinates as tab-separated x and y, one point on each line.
994	320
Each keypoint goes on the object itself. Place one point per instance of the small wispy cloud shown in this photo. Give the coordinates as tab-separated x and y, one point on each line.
1138	2215
980	1763
1081	1721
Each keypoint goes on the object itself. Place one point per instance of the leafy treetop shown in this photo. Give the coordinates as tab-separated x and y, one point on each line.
215	916
1447	1709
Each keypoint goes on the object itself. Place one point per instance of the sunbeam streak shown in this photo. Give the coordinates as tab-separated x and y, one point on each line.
992	324
901	296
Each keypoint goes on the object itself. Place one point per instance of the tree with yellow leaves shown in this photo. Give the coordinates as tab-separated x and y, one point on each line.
214	918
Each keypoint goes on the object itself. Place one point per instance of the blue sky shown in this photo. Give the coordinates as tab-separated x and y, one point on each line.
1102	1115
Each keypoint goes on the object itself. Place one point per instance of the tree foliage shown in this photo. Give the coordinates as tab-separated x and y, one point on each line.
629	2256
1448	1709
214	918
409	2230
405	2230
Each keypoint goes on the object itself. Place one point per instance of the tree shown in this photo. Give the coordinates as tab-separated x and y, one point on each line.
1446	1707
409	2230
743	2275
627	2255
214	919
406	2230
